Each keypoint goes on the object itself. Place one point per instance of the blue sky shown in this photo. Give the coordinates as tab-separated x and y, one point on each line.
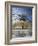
27	11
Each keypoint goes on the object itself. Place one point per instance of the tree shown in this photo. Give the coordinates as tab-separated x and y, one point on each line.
23	18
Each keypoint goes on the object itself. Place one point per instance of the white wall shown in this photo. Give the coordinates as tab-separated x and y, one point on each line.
2	21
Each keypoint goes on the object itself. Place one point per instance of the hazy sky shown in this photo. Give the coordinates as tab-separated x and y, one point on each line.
21	10
27	11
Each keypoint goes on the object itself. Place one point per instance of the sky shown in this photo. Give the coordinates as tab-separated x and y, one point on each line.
21	10
17	10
